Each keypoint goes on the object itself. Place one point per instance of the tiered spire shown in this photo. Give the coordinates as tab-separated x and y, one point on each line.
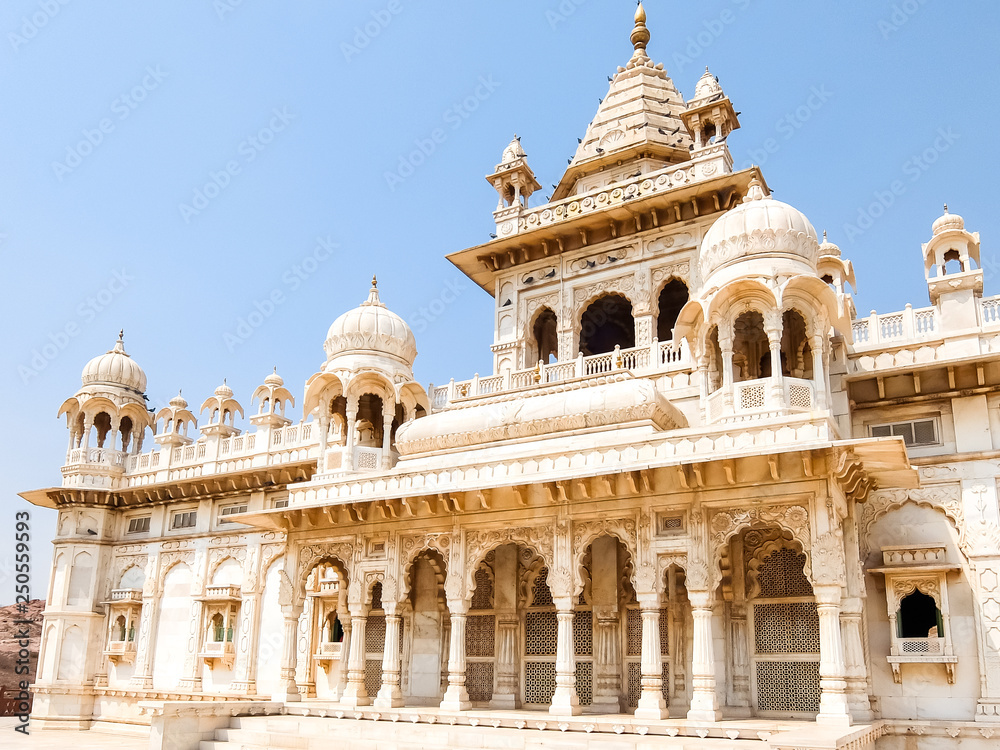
639	119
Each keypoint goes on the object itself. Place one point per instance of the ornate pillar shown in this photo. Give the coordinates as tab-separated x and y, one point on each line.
355	693
88	425
289	690
565	701
739	635
651	706
832	670
142	677
387	418
191	681
777	385
851	627
245	674
986	574
818	346
505	693
704	701
352	421
324	436
456	697
344	616
607	659
390	695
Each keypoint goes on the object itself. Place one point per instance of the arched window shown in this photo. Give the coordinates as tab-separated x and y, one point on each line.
120	628
952	262
751	353
919	617
673	297
545	334
796	352
607	323
218	628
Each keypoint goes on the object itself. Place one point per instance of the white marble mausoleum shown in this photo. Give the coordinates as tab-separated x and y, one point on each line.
699	500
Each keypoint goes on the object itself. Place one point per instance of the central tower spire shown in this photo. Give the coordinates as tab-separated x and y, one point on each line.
640	34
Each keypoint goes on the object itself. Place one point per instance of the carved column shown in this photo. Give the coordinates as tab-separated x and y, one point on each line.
456	697
832	669
355	693
390	695
505	693
344	616
607	660
565	701
142	677
289	690
777	385
651	706
324	436
739	636
352	421
851	627
191	680
986	573
244	676
704	701
387	418
726	347
88	425
818	346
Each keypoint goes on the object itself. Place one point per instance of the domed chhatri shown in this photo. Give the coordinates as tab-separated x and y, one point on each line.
371	328
948	222
707	86
115	368
513	152
760	228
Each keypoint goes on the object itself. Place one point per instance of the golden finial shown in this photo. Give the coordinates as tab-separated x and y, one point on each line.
640	34
374	281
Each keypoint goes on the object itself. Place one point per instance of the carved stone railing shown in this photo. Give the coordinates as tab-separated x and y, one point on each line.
97	457
756	398
126	596
659	357
892	329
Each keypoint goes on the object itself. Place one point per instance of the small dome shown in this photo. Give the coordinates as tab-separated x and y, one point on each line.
224	391
707	86
371	329
116	368
274	379
760	227
178	401
949	222
828	249
513	152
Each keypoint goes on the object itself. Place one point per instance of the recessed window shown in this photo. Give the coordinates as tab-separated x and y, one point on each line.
916	433
138	525
919	617
231	510
184	520
281	503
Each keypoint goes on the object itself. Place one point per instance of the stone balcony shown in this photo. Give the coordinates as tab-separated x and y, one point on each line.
758	399
659	358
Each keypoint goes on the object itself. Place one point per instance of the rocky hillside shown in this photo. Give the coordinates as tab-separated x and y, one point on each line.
9	647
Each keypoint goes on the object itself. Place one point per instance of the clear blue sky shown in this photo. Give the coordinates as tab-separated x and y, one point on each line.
838	99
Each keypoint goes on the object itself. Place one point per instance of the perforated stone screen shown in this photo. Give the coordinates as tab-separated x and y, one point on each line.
541	596
585	682
634	683
781	575
479	681
583	633
786	628
540	632
664	631
373	676
375	634
539	682
480	635
482	598
791	687
633	632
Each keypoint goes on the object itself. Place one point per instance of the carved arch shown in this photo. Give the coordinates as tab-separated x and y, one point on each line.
478	544
587	532
726	524
944	499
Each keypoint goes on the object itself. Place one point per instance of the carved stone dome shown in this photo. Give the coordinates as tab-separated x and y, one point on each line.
116	369
513	152
707	86
767	234
949	222
371	328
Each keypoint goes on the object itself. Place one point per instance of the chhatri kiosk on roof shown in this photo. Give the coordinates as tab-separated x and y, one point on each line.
695	485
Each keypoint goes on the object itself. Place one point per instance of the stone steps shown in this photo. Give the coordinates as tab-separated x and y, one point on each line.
316	733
